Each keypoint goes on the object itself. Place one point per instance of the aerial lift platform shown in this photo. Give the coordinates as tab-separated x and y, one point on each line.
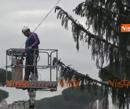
15	62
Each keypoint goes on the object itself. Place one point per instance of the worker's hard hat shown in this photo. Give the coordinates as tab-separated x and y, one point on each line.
25	29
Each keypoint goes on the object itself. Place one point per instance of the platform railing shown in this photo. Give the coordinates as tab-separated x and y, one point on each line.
15	61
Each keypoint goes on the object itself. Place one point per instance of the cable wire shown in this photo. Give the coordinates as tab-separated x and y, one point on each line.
44	18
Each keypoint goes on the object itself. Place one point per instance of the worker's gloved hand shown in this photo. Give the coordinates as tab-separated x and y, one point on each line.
29	48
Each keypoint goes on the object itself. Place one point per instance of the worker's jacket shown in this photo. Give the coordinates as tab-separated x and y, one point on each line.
32	41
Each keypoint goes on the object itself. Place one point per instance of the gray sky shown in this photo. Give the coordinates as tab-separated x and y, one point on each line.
18	13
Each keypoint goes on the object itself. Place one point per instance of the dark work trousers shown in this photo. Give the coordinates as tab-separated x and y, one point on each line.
31	63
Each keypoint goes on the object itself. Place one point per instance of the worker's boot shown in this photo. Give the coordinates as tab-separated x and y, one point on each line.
34	77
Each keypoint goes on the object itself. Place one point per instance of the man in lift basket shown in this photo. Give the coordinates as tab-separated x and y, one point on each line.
32	53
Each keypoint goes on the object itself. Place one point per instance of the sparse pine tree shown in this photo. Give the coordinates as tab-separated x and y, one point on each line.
102	31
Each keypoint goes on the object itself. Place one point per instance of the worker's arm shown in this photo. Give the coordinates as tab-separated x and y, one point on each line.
37	41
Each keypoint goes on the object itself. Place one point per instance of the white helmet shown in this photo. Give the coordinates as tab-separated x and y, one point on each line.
25	28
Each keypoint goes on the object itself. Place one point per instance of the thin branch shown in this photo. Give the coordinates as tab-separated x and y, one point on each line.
84	30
